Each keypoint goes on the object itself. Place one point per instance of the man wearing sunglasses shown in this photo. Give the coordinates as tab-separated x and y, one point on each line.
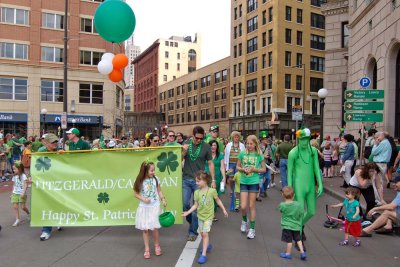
214	135
195	153
171	139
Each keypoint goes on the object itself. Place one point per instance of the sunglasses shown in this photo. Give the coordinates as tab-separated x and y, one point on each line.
156	140
198	138
171	135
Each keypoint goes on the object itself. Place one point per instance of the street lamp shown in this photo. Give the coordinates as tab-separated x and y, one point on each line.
44	112
322	94
293	130
73	122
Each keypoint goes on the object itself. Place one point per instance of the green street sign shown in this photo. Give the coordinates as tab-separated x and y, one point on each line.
364	117
364	94
363	105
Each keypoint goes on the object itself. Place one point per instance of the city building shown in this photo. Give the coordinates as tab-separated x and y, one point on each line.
31	70
278	61
199	98
164	61
373	51
131	51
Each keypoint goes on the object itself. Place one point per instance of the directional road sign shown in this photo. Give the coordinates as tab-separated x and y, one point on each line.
365	82
364	117
363	105
297	113
364	94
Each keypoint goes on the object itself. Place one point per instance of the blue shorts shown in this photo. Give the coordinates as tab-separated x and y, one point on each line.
327	164
250	188
233	167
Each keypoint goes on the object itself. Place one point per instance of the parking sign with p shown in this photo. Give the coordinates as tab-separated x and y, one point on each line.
365	82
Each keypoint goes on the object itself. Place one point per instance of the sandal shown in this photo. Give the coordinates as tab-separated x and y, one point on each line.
146	255
157	249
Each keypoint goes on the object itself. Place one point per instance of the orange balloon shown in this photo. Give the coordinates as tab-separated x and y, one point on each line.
120	61
115	75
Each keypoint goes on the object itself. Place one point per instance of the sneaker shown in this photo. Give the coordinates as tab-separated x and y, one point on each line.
303	256
273	184
59	228
357	243
237	208
284	255
243	227
251	234
344	243
44	236
202	259
16	223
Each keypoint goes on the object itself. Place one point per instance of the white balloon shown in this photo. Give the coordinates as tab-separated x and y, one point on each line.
105	67
107	56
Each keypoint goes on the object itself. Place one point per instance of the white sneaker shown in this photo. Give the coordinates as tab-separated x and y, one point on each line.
251	234
44	236
59	228
273	184
16	223
243	227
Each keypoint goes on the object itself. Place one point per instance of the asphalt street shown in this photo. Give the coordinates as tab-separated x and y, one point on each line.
123	246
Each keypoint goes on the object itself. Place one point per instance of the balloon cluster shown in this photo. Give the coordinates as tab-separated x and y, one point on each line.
112	65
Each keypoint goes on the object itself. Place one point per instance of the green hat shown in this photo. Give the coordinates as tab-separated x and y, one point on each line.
215	127
303	133
74	131
263	134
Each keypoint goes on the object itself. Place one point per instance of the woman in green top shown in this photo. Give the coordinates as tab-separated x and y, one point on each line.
250	164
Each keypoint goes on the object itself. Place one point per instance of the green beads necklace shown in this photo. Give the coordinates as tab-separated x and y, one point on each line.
195	155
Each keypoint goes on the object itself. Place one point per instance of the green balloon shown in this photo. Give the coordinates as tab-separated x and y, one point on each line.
114	21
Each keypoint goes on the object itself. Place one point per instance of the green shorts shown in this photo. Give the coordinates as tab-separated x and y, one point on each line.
205	226
15	198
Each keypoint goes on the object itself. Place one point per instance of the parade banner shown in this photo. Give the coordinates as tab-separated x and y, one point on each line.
95	188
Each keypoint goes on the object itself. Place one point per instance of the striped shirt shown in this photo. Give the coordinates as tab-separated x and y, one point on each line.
327	154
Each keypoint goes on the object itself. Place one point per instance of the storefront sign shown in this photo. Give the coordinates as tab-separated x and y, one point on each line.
53	118
96	188
14	117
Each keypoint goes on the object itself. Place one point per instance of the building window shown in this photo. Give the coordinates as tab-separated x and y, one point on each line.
178	56
288	13
91	93
235	13
299	38
288	58
165	78
252	45
300	16
170	119
217	77
269	59
240	29
299	82
266	104
178	116
189	117
263	83
223	93
224	75
316	84
195	100
264	39
288	78
166	66
251	5
317	21
223	112
288	36
270	15
13	88
264	17
14	16
270	36
183	117
264	61
345	34
51	91
195	84
299	60
52	21
90	58
87	25
189	87
316	3
239	69
52	54
216	113
314	106
178	66
317	63
178	90
127	102
166	54
251	65
270	81
252	24
13	50
317	42
240	50
289	104
202	114
251	86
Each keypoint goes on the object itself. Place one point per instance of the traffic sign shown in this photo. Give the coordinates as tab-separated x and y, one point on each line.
363	105
365	82
364	94
297	113
364	117
64	120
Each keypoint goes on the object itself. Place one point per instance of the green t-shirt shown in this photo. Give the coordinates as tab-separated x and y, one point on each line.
205	200
292	215
351	208
172	144
15	148
22	140
250	160
284	149
80	145
191	167
36	145
10	145
43	149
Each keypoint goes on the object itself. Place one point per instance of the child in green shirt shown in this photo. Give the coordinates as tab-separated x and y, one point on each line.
292	223
204	203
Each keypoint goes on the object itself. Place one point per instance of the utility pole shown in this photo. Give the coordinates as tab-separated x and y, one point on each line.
65	59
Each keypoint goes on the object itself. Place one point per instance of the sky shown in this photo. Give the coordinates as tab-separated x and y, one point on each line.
164	18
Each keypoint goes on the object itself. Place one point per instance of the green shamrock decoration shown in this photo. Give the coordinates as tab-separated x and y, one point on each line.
43	163
103	198
167	161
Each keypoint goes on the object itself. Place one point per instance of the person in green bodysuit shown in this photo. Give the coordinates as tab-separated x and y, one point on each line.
303	172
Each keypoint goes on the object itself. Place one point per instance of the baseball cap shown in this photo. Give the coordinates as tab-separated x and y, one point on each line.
50	138
111	143
214	128
74	131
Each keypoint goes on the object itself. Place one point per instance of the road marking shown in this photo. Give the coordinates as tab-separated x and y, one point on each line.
188	253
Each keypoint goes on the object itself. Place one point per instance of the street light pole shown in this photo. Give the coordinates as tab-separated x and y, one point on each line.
65	59
322	94
43	112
